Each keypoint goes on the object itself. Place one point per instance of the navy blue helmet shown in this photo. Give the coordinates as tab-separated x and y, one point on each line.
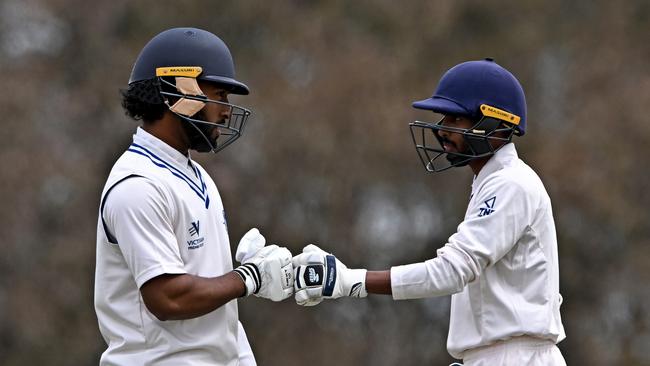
188	47
482	91
168	70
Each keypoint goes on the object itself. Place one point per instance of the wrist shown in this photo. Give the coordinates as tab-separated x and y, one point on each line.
250	275
379	282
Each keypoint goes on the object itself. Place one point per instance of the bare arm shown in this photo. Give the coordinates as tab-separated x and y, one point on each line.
184	296
378	282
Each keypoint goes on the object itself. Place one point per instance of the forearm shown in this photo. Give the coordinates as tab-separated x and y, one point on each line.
440	276
378	282
177	297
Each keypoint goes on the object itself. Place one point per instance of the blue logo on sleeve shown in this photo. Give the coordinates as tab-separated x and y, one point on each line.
489	207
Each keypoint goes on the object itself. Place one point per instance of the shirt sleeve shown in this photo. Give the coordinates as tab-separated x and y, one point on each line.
495	220
138	214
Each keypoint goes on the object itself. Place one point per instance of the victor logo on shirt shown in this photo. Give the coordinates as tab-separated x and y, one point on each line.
489	207
194	230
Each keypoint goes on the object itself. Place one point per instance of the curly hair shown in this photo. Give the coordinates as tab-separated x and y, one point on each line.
142	101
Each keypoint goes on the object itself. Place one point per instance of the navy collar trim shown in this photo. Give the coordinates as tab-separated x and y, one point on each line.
201	191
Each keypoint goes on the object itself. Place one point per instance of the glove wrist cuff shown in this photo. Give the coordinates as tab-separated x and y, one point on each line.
250	274
357	278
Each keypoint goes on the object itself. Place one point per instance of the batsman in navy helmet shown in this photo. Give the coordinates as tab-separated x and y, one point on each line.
501	265
166	289
483	94
166	76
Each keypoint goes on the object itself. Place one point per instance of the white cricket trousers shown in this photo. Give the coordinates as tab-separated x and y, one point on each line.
518	351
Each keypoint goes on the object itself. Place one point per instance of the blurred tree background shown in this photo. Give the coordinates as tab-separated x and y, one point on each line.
327	158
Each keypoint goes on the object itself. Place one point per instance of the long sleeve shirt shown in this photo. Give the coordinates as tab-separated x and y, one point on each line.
501	265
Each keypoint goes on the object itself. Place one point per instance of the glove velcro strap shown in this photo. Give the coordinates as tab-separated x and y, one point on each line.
330	276
250	274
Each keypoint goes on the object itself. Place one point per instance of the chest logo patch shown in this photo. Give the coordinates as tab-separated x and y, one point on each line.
194	230
488	207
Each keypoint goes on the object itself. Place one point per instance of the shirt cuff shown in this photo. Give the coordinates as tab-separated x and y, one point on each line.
407	281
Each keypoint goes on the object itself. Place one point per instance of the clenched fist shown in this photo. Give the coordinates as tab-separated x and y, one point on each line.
267	271
319	275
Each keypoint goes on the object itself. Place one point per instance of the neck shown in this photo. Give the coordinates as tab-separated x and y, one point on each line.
477	164
169	130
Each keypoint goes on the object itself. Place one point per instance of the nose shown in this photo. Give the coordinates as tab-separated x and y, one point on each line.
224	112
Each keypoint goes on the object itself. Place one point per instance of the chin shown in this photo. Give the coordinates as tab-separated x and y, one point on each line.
457	161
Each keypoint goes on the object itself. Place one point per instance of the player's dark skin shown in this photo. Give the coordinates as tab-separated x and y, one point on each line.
378	282
185	296
170	130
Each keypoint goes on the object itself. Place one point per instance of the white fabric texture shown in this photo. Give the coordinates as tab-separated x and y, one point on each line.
246	357
501	266
169	219
516	351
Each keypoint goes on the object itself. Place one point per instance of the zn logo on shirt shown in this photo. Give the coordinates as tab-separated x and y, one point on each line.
489	207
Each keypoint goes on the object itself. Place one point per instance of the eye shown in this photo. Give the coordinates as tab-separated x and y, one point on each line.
452	120
221	95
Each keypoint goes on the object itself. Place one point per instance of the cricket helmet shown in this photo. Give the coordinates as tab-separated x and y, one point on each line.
188	47
482	91
167	71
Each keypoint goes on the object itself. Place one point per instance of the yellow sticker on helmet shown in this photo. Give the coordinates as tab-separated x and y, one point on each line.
186	71
497	113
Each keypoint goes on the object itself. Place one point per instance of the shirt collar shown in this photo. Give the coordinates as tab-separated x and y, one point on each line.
503	157
160	148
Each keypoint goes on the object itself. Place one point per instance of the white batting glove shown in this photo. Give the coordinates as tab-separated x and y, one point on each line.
319	275
266	270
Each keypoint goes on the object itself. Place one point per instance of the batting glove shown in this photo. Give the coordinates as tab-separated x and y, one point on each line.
266	270
319	275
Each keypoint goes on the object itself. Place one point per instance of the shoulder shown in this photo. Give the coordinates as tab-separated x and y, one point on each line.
133	162
517	183
136	193
129	163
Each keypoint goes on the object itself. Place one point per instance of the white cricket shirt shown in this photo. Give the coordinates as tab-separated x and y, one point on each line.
161	214
501	265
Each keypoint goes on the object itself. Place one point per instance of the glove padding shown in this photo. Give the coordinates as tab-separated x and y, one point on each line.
266	270
319	275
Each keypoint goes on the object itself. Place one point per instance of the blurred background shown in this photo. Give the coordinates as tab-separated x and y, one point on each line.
327	158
